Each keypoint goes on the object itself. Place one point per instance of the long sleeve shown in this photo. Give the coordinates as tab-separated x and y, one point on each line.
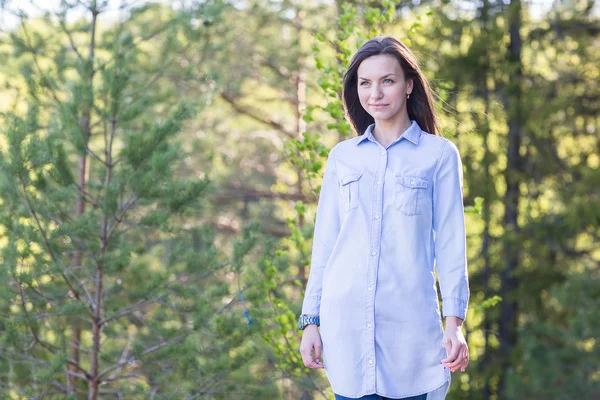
450	236
327	227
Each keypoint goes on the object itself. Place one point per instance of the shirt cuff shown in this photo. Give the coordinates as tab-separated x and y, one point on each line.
453	307
311	305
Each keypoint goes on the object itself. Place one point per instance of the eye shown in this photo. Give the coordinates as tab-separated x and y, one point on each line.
364	83
388	81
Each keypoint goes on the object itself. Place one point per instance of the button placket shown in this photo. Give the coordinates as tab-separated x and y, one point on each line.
375	243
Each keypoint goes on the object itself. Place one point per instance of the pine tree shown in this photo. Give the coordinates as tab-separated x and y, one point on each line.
112	289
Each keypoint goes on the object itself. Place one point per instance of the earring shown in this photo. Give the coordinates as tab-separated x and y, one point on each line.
408	95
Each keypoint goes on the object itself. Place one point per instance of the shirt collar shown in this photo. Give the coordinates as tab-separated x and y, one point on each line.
413	134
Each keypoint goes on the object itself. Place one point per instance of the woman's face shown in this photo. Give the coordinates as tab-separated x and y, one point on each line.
382	88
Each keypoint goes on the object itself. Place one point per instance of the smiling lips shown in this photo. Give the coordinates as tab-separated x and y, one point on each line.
378	105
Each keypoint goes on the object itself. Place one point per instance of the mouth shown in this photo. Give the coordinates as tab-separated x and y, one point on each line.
378	106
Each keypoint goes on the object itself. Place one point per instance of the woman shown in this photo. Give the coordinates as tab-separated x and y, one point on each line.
390	208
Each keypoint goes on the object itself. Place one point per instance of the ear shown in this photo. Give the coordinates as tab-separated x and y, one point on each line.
409	86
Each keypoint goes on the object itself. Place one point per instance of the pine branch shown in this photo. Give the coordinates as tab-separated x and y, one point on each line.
125	230
161	71
234	227
52	349
228	97
135	44
150	350
10	355
7	386
92	200
94	155
165	343
45	238
77	375
117	378
60	386
124	209
82	285
277	69
131	309
36	63
240	192
35	217
63	25
124	355
142	303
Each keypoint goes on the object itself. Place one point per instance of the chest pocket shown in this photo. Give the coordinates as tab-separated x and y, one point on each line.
349	191
410	194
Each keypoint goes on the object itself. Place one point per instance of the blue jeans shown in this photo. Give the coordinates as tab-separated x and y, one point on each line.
378	397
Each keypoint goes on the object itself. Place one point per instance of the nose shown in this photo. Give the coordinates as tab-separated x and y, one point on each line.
376	92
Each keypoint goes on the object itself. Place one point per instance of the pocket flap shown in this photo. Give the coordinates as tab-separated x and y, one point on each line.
412	181
350	178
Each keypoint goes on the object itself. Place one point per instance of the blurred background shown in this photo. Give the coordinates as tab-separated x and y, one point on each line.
160	167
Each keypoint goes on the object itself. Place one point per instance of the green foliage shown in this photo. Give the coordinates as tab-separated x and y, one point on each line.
101	236
308	155
477	207
204	223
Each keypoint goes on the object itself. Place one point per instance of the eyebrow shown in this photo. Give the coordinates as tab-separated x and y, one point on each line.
385	76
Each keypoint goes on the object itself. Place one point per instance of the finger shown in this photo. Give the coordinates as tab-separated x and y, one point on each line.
457	362
466	360
317	359
314	365
308	360
453	353
310	363
306	357
454	365
464	366
459	351
318	348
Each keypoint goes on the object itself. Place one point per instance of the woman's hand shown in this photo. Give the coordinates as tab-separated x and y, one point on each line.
456	345
311	340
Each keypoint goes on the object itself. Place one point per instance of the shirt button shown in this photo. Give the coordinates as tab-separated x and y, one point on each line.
376	216
379	182
374	253
368	325
370	362
370	288
412	182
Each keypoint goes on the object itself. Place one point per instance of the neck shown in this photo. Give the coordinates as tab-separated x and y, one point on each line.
386	131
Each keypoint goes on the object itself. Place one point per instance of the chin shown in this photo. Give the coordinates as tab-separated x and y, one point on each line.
382	117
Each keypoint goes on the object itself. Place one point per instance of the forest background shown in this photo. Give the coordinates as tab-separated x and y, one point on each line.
160	165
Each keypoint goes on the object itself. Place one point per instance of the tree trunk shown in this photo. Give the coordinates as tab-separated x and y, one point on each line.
300	125
484	366
75	339
508	308
86	131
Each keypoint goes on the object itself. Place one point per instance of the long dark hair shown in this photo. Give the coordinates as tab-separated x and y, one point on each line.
420	104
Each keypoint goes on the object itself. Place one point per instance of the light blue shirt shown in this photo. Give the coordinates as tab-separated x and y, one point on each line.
385	217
